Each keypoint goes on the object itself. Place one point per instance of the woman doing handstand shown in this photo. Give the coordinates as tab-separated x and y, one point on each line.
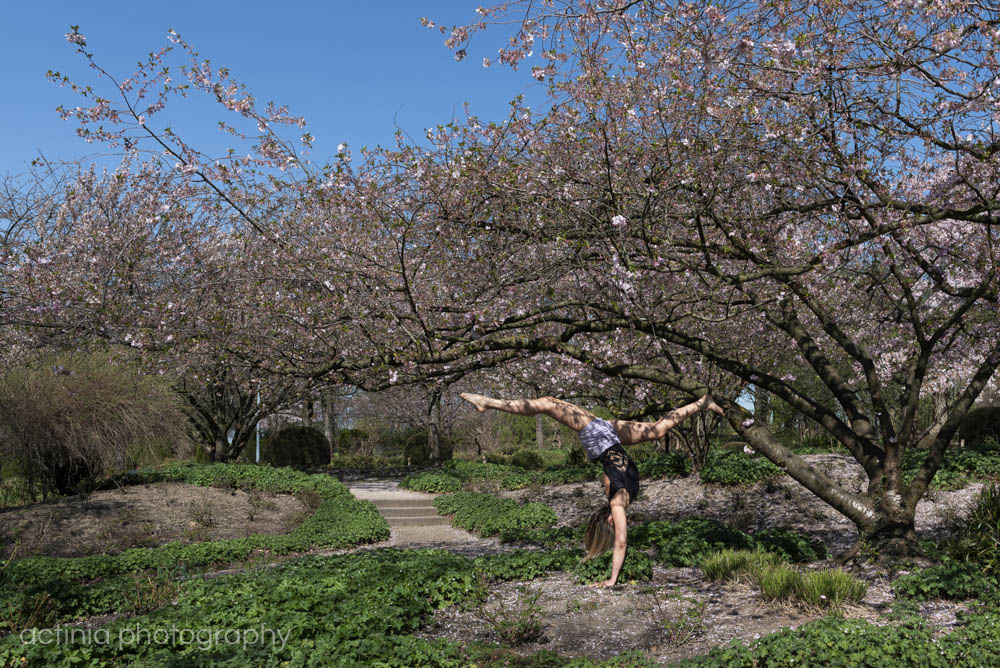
602	440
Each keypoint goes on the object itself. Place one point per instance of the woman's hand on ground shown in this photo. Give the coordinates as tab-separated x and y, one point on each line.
602	584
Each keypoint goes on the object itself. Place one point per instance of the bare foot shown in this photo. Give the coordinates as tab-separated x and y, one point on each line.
476	400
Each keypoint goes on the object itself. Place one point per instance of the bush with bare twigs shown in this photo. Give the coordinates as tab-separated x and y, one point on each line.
70	418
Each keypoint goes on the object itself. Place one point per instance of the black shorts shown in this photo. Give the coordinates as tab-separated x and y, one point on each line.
621	471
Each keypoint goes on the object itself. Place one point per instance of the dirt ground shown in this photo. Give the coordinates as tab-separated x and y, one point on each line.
679	614
109	522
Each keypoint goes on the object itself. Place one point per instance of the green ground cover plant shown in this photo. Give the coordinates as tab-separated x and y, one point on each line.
435	483
791	545
954	580
685	542
339	521
488	515
960	467
549	538
665	465
730	467
514	477
845	643
355	609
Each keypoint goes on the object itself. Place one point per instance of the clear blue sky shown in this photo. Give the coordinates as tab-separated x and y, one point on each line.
353	68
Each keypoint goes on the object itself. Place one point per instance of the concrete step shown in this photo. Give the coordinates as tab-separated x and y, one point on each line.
403	503
407	512
424	521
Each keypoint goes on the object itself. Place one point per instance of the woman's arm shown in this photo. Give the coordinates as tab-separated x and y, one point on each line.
621	541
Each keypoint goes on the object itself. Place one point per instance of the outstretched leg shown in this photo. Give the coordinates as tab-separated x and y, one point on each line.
572	416
636	432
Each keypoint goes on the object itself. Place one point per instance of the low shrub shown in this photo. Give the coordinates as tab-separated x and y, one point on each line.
529	460
435	483
665	465
351	441
577	458
736	468
641	452
365	462
817	445
71	419
296	446
791	545
553	459
979	539
515	477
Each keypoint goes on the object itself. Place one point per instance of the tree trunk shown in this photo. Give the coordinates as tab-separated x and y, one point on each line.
539	433
762	406
219	446
940	413
882	516
434	428
306	412
329	420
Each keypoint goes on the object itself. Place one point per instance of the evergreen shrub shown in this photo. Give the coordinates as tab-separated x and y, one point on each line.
298	447
981	427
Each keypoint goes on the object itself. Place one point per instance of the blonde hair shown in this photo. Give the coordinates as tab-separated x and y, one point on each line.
600	536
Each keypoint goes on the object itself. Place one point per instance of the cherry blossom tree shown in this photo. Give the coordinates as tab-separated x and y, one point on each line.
746	181
797	195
